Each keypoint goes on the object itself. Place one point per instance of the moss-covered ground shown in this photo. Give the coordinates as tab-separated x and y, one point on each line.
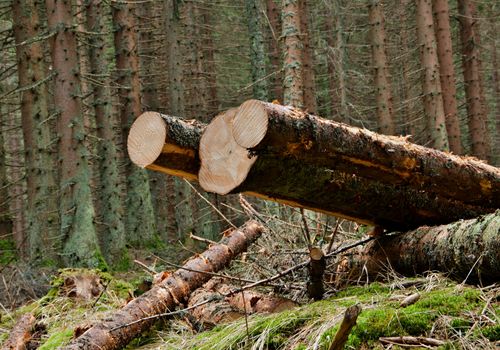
465	317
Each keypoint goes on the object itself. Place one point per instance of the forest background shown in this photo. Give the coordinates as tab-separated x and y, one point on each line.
75	74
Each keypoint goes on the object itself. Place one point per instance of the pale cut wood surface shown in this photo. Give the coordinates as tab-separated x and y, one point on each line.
224	163
146	138
250	124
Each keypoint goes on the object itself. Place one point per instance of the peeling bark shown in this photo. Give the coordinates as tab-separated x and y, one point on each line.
21	334
164	296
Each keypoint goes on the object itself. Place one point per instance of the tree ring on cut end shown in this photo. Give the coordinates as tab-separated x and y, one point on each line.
146	138
250	124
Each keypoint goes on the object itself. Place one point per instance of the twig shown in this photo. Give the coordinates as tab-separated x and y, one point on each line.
201	239
330	244
306	231
101	294
408	341
210	203
145	267
348	322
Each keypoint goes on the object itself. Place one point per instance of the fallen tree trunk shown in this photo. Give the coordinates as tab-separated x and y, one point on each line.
122	326
467	250
228	308
21	334
170	145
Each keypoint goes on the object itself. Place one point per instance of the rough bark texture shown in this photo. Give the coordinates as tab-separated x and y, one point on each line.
273	14
471	62
225	309
447	73
41	212
21	333
467	249
317	164
139	217
308	76
293	85
167	294
385	113
431	84
257	50
112	232
76	208
5	220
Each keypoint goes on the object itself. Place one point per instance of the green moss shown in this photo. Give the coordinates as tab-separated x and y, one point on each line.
57	339
492	332
8	251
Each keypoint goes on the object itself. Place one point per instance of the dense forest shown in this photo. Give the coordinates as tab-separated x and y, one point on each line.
75	75
235	167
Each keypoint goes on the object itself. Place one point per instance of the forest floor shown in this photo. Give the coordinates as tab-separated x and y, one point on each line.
462	316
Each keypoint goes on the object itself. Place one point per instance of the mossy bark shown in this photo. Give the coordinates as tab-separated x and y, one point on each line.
76	208
139	218
257	50
468	250
41	211
112	232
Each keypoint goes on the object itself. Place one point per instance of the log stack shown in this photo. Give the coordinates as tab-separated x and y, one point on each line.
284	154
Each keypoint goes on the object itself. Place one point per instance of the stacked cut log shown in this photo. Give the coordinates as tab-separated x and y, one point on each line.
283	154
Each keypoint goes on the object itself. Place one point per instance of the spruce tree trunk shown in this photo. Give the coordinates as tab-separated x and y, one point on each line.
308	75
431	84
257	50
112	232
41	212
471	62
293	84
76	208
5	219
273	14
208	63
447	73
139	218
385	113
468	250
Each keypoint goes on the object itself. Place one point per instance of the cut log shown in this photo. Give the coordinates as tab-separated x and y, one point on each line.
229	308
467	250
119	328
310	175
215	175
284	131
21	334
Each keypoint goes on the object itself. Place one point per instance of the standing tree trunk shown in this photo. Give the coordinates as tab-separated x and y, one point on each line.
273	15
139	218
42	218
471	62
111	185
293	81
308	60
496	89
5	220
431	86
385	112
76	208
447	73
257	50
208	63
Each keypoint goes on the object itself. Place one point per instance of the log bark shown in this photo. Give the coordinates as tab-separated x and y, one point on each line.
229	308
468	250
309	162
167	294
21	334
317	266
